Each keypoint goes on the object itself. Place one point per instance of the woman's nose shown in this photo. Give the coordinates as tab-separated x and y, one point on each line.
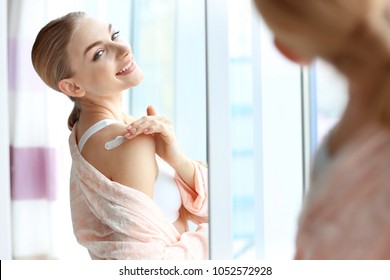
122	50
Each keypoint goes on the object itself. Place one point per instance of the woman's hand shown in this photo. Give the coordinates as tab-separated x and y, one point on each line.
162	130
166	145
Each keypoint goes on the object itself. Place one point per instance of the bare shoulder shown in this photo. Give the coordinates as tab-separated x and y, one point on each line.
132	164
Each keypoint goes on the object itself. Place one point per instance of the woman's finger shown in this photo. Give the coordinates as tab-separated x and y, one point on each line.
142	120
148	127
150	111
148	119
151	115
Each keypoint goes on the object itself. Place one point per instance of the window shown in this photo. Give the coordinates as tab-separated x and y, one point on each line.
255	137
168	39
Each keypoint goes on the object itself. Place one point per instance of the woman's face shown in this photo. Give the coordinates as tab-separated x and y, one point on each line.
103	63
287	40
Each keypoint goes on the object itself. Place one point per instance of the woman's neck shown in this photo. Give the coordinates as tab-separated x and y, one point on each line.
102	108
365	90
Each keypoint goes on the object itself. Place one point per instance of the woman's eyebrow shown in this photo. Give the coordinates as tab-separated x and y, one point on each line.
97	42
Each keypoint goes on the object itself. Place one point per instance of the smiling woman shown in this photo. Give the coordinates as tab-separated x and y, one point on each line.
35	209
116	209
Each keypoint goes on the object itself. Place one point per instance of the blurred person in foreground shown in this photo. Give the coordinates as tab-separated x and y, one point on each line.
346	210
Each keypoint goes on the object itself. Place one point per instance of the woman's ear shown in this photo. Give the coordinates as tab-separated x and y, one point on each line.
70	88
291	55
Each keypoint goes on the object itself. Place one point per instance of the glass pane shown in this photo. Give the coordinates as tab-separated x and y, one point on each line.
265	210
168	40
153	41
240	86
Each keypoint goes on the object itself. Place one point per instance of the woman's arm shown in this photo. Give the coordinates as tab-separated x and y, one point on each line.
191	176
161	128
195	196
133	164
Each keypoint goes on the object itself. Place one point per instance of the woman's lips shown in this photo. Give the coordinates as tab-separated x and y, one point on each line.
127	69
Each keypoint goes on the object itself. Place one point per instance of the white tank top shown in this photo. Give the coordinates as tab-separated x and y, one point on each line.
166	194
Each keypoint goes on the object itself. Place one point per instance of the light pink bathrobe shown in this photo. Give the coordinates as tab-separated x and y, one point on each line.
114	221
347	211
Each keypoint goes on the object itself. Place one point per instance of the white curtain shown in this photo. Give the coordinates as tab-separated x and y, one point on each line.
38	149
5	218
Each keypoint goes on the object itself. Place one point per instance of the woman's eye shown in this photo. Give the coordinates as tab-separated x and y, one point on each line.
115	35
98	55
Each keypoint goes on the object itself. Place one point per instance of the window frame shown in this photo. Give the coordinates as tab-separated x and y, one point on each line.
218	130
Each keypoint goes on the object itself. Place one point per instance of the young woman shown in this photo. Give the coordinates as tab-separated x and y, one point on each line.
346	214
132	189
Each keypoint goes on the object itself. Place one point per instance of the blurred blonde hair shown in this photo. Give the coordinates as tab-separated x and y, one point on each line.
50	57
350	34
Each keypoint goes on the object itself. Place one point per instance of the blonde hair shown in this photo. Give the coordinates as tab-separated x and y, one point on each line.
350	34
50	57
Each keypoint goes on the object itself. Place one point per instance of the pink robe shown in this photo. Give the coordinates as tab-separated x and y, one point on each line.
347	211
114	221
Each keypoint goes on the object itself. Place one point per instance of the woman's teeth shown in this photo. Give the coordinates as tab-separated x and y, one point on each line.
125	68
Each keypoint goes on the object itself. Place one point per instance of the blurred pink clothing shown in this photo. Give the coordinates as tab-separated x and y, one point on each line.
114	221
347	211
